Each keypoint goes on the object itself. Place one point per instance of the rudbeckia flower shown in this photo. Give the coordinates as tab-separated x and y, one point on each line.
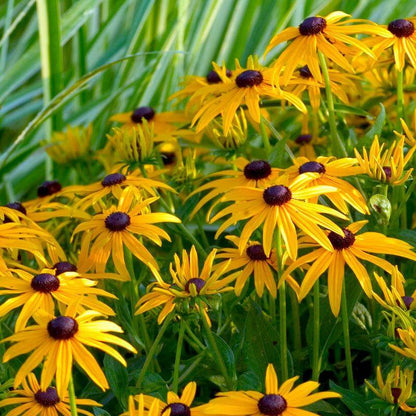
281	205
33	290
329	35
34	401
246	86
329	171
386	165
282	401
139	408
252	262
188	283
60	341
348	249
408	135
408	337
305	145
108	232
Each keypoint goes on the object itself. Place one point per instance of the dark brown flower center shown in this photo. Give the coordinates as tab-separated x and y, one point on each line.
401	28
113	179
277	195
256	252
214	78
387	172
47	398
17	206
272	404
142	112
303	139
198	282
312	167
407	300
339	242
177	409
312	26
62	327
117	221
63	267
249	78
49	188
258	169
45	283
305	72
168	158
396	392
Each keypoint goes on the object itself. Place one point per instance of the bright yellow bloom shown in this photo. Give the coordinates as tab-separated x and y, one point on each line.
188	283
108	232
409	135
60	340
329	35
386	165
140	410
397	388
349	250
34	401
283	401
70	145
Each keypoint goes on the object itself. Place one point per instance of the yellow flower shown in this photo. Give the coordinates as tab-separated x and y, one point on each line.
349	249
408	135
139	410
108	232
34	290
305	144
283	401
329	35
386	165
61	340
34	400
246	86
70	145
397	388
188	282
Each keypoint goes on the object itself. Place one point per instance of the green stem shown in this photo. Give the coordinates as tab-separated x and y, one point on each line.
178	357
152	351
72	398
337	145
316	362
297	336
214	348
394	411
400	97
265	137
347	344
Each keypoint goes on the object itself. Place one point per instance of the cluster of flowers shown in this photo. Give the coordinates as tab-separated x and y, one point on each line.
152	162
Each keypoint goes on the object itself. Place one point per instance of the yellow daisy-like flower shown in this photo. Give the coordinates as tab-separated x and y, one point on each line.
34	290
34	401
386	165
401	36
396	389
139	409
188	282
408	337
280	206
246	86
69	145
348	249
329	171
283	401
329	35
61	341
108	232
305	145
252	261
409	136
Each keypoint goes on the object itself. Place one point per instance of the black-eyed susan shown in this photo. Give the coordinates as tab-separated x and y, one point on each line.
283	400
305	145
330	35
33	290
386	164
408	133
408	337
188	283
252	262
246	86
349	249
329	171
58	341
137	407
34	401
108	232
396	389
280	206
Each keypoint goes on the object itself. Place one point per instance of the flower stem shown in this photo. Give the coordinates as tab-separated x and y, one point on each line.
153	349
394	411
400	97
337	145
316	362
72	398
178	357
347	344
265	137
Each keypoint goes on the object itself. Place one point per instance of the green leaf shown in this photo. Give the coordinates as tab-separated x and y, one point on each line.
348	109
354	401
377	127
118	379
227	355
